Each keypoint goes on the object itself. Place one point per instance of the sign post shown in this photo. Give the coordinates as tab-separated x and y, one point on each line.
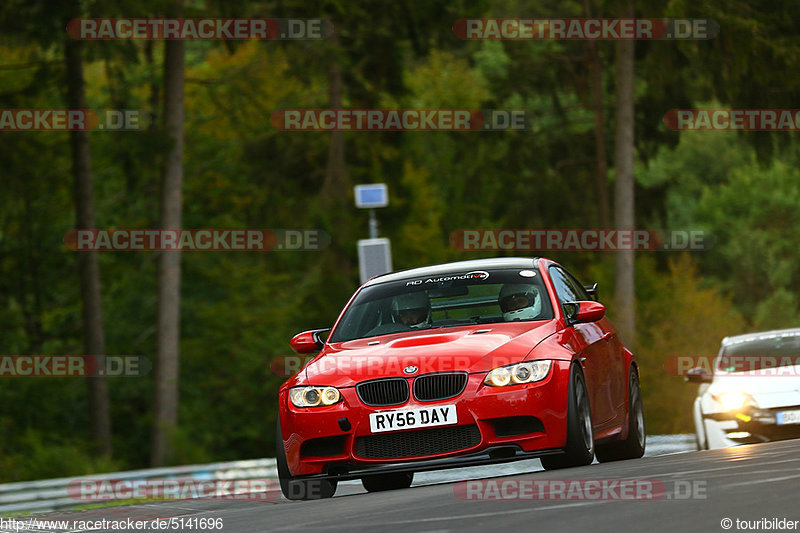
374	254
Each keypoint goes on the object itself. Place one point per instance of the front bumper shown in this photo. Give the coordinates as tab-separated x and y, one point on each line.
749	425
499	424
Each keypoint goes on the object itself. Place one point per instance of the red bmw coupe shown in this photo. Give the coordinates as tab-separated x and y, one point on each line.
467	363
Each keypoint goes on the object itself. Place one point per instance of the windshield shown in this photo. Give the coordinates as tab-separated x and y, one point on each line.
457	299
769	351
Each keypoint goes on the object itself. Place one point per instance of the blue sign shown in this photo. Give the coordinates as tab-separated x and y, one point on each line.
372	195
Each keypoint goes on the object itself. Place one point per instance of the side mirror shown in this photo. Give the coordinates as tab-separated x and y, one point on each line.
582	312
308	341
698	375
591	290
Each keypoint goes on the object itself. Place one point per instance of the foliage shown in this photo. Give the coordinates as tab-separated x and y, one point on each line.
240	309
679	317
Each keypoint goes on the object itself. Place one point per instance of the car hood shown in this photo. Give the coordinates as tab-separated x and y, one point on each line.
477	348
778	388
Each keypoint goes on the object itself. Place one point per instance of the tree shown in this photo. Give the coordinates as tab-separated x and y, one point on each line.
601	178
336	182
165	418
94	334
624	190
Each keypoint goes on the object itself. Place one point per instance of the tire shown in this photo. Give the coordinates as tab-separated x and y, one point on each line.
632	447
579	450
299	489
379	482
697	442
702	445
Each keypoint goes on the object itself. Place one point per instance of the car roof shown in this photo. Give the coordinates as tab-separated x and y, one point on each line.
760	335
456	268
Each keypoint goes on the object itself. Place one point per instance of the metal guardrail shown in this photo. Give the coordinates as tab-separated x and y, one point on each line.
52	494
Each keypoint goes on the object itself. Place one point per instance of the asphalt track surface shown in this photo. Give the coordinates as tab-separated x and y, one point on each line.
698	490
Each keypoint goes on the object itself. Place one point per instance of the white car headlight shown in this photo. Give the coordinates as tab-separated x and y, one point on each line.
517	374
314	396
731	400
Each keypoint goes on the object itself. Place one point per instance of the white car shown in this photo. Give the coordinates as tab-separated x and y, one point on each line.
753	392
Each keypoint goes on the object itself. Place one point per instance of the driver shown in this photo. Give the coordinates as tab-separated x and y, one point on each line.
520	301
413	309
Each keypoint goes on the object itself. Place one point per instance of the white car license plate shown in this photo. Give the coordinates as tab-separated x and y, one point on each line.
424	417
788	417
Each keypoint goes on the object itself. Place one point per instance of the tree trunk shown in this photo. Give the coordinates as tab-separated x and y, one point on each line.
335	185
601	169
624	192
169	267
334	195
94	335
154	86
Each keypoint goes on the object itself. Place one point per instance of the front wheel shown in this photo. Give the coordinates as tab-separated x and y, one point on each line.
379	482
579	450
299	489
632	447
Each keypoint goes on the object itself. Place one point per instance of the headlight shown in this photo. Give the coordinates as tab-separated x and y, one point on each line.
731	401
517	374
314	396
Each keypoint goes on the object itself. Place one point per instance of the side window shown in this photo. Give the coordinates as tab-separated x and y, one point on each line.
565	289
577	288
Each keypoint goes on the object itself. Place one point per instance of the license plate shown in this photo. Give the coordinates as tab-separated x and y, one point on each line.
424	417
788	417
